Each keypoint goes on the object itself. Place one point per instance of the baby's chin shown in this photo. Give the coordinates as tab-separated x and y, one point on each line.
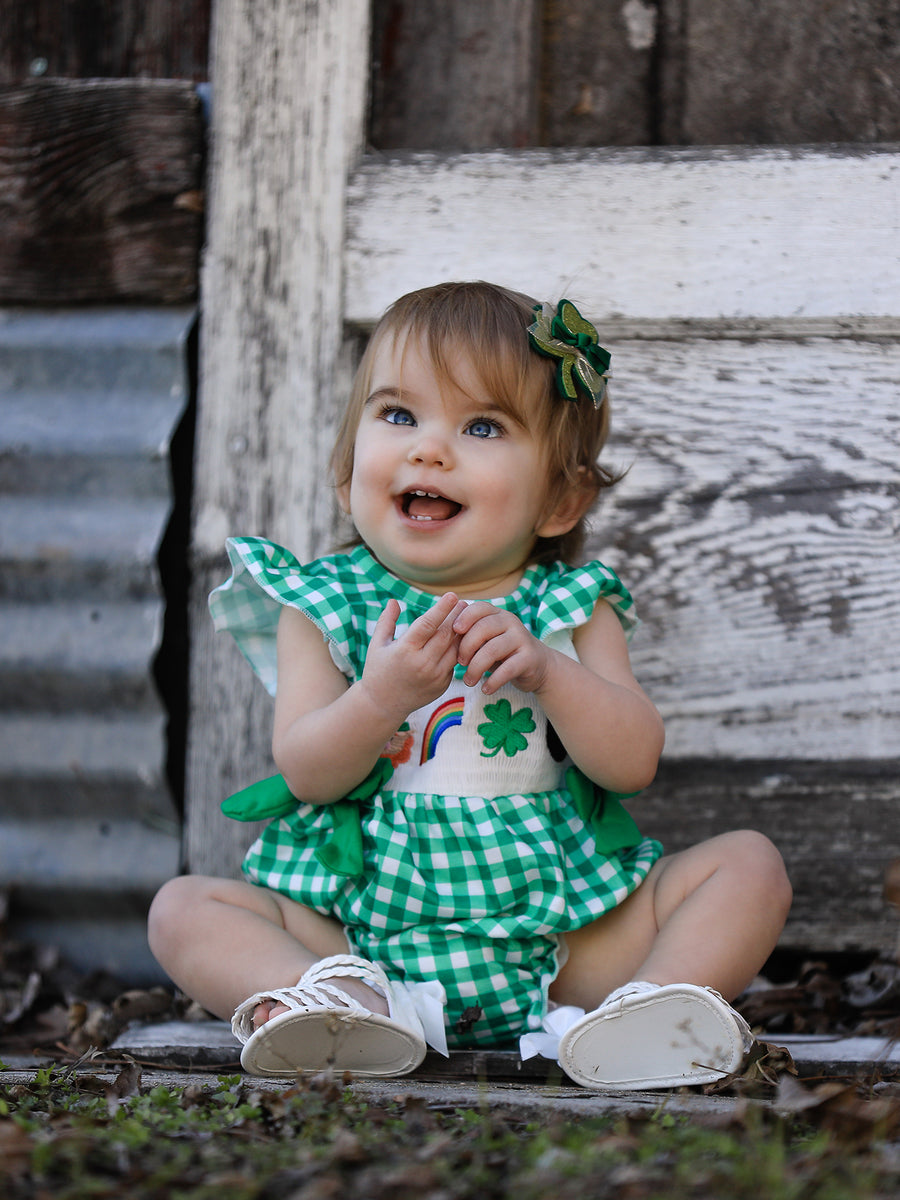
428	573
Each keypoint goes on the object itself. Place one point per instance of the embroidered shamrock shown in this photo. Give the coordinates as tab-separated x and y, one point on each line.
504	729
583	364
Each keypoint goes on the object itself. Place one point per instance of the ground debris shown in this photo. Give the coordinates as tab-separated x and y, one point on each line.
65	1135
45	1004
850	1112
823	998
759	1075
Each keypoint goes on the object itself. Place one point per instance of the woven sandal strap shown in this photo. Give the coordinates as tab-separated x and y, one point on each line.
349	966
295	998
309	991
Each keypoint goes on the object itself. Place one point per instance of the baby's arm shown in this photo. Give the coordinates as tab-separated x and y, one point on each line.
328	733
604	719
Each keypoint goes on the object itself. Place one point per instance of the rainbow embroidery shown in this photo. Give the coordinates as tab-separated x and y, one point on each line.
446	714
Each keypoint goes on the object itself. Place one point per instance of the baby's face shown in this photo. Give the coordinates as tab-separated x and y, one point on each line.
448	491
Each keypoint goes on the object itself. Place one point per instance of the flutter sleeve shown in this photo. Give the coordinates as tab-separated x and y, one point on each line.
571	595
264	578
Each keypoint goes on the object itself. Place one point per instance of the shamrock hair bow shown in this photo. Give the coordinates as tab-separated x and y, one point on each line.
564	334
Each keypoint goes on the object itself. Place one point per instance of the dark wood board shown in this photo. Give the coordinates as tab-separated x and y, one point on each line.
100	192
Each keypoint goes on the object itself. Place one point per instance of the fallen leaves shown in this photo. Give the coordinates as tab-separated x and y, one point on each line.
821	1000
764	1065
845	1110
92	1023
46	1005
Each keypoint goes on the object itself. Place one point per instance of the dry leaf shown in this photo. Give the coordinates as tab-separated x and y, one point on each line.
16	1001
127	1083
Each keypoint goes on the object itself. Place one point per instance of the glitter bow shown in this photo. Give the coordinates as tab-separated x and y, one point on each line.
564	334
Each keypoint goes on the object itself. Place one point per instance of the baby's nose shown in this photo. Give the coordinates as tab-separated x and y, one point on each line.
431	449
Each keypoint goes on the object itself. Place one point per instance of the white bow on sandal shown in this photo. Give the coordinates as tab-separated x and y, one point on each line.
324	1027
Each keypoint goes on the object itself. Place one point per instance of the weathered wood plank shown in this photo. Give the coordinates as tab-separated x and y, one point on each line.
835	824
199	1044
460	76
788	71
286	127
653	234
100	191
157	39
598	73
757	528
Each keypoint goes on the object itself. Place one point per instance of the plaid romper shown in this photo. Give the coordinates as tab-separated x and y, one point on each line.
474	843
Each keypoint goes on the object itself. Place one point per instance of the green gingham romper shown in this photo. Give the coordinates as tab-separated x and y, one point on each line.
474	844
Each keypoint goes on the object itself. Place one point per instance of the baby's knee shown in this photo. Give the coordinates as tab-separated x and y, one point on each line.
166	917
761	861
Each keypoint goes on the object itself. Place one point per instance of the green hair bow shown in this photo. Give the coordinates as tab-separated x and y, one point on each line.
564	334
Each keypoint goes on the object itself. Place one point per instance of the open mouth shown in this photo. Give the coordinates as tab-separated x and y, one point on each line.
428	506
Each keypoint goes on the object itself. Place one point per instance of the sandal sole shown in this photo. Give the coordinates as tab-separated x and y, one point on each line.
679	1039
369	1046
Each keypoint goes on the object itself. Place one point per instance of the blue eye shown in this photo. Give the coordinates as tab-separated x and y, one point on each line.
398	416
483	428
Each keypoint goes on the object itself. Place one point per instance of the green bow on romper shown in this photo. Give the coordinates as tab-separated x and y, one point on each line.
271	798
603	812
609	821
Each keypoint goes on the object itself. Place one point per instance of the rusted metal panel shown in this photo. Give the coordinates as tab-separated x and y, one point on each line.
89	401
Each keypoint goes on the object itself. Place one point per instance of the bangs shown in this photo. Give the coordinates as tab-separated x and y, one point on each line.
486	326
504	376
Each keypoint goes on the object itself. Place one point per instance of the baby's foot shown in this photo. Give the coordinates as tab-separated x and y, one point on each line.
355	988
337	1016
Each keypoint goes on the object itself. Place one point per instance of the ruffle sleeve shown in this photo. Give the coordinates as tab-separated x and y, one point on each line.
264	578
570	596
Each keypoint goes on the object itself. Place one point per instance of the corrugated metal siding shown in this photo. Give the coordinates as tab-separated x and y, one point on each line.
89	402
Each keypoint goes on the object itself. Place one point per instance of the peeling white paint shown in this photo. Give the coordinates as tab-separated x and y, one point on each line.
762	232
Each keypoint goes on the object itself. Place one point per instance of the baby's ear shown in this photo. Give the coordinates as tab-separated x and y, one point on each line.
569	506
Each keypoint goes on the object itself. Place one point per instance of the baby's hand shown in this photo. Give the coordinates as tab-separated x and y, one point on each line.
404	673
494	640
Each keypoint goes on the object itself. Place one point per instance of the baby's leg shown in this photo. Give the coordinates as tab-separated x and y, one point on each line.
222	940
710	915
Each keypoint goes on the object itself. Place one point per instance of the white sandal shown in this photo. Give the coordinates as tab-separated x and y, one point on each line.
324	1027
650	1036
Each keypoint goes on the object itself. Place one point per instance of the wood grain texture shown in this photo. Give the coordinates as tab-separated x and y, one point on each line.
741	72
100	192
836	827
758	529
460	76
656	234
285	129
156	39
598	73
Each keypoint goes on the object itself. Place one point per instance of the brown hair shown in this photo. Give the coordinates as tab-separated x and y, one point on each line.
488	323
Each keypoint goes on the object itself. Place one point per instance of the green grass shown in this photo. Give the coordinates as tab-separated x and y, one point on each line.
68	1136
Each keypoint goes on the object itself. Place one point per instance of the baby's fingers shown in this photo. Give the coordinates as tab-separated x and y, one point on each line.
437	622
386	625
